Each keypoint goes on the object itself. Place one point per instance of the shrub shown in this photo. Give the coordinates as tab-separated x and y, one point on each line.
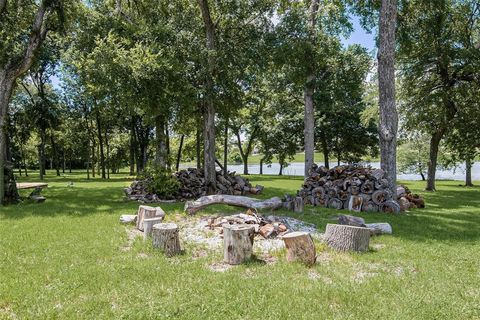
161	181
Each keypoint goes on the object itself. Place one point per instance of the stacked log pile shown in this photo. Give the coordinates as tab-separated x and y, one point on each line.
192	185
352	187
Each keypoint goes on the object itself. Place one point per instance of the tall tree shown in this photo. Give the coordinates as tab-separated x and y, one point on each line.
209	108
17	55
309	113
388	125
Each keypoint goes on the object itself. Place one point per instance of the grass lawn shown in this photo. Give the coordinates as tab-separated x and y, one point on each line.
65	259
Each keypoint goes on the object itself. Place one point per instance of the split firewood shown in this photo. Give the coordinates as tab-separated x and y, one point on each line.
192	207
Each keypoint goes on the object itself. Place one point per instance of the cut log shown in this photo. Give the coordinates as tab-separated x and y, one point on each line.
335	203
355	203
191	207
128	218
165	238
369	206
300	247
351	220
380	196
347	238
148	226
298	204
390	206
379	228
238	243
146	212
404	204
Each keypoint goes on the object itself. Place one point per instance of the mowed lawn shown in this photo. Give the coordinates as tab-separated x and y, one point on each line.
66	259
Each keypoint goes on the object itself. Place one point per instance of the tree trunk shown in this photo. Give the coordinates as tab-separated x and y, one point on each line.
165	237
261	166
100	142
209	110
433	156
161	145
191	207
225	148
6	87
179	154
238	243
280	172
388	125
468	172
300	247
309	113
347	238
167	142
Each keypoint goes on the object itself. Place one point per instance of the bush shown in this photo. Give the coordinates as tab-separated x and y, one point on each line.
161	182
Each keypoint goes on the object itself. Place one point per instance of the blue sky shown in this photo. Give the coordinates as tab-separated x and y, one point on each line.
360	36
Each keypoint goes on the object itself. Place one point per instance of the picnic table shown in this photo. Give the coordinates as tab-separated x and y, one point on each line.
35	195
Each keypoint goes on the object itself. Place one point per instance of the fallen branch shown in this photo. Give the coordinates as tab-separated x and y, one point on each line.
191	207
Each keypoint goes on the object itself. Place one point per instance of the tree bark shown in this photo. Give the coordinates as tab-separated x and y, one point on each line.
433	156
191	207
161	145
309	113
347	238
107	144
238	243
179	154
209	110
388	125
300	247
165	237
468	172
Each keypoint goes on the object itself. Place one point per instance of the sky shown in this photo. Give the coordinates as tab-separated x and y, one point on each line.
360	36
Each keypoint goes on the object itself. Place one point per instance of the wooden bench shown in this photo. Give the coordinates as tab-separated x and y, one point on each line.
35	195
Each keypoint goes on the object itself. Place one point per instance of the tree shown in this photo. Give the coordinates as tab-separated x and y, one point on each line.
438	56
388	125
21	40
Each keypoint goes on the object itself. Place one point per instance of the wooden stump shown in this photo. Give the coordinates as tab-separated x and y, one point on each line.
347	238
238	243
165	238
146	212
148	225
300	247
298	204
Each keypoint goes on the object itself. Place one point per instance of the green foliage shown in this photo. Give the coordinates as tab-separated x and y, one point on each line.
160	181
73	248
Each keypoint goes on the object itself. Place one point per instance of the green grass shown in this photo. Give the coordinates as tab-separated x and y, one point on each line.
65	259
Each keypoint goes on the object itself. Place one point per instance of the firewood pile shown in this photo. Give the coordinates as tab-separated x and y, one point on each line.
192	186
352	187
267	227
409	200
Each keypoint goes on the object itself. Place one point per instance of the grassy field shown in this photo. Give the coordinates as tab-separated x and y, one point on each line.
66	259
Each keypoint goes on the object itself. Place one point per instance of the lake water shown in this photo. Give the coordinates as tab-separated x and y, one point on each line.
297	168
